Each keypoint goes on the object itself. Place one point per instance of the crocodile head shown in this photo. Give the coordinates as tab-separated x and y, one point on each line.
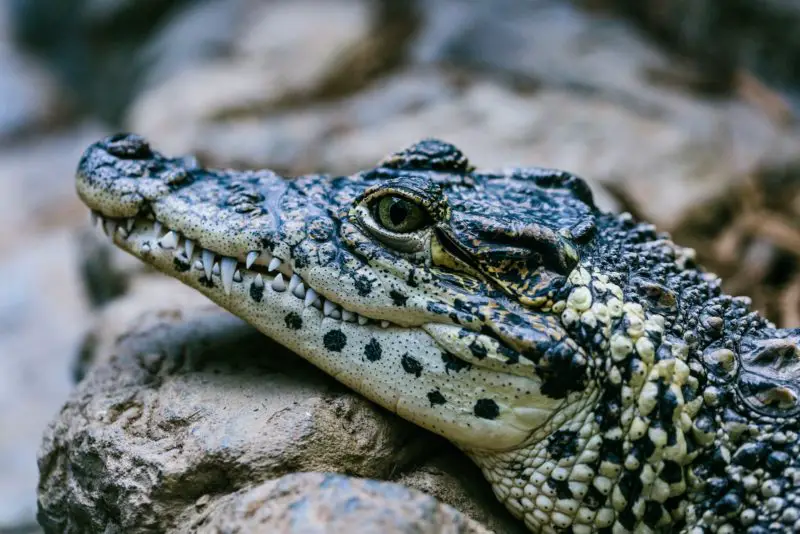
599	378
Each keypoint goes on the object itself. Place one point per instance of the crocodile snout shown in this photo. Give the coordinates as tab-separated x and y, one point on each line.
119	174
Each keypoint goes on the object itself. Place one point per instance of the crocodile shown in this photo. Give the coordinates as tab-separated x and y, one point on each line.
597	375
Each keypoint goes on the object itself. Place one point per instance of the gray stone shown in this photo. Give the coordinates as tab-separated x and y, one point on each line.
283	50
310	503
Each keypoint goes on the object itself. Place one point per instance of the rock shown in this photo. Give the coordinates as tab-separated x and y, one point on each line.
42	316
306	503
449	479
182	401
283	51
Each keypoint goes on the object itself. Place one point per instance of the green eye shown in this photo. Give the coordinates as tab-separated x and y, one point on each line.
400	215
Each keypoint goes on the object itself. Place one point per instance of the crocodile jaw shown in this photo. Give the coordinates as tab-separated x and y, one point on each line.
397	358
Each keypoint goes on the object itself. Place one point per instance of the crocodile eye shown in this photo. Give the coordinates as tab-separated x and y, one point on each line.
400	215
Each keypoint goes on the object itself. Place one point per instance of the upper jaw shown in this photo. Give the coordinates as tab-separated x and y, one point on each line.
212	229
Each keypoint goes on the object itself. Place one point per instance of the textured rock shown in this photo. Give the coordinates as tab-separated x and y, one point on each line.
460	484
183	402
309	503
283	51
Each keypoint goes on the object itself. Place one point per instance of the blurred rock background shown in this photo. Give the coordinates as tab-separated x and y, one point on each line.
683	112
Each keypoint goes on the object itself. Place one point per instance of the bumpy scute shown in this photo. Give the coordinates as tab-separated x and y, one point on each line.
600	379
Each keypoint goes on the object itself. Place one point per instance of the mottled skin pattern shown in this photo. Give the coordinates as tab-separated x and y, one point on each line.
601	380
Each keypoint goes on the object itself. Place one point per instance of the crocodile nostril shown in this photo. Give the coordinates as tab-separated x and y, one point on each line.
128	146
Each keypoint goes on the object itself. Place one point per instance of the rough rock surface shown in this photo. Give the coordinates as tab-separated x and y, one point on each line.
184	402
318	503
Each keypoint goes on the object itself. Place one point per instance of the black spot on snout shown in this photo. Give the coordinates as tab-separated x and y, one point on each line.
363	285
435	397
181	265
373	350
477	350
411	365
398	298
453	363
486	409
257	292
293	321
334	340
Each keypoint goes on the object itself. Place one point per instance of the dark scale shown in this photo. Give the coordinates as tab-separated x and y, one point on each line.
372	350
256	291
181	264
435	397
562	444
486	409
453	363
334	340
293	321
411	365
398	298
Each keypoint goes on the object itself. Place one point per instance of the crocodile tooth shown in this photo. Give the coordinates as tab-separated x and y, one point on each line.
109	227
311	296
336	314
122	231
294	281
318	303
157	229
328	307
299	291
169	241
362	320
228	268
274	264
237	276
252	256
145	248
208	262
348	316
384	324
215	268
278	283
198	265
188	245
259	280
94	217
129	224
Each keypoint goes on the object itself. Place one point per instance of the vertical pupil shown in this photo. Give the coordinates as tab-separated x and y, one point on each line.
398	212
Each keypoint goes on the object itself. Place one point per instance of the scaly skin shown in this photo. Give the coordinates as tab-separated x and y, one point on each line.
599	378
